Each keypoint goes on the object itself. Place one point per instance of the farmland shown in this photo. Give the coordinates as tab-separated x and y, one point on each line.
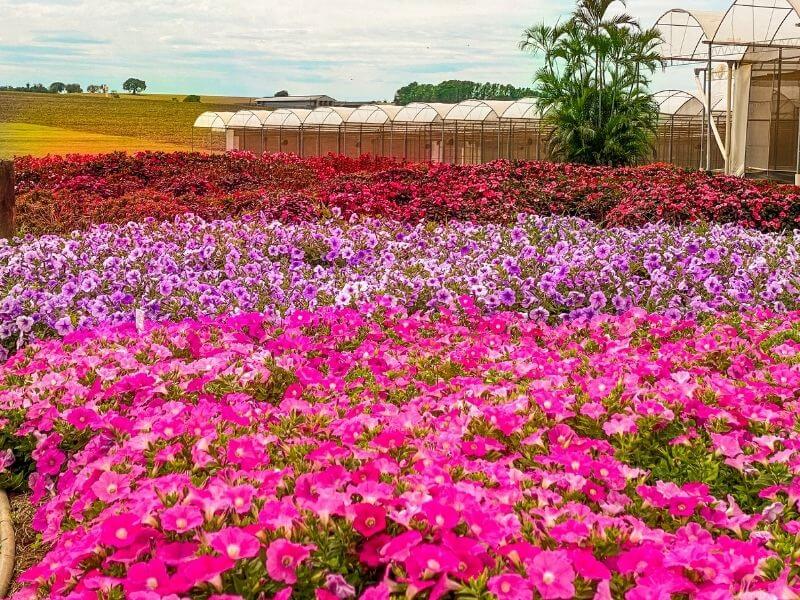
154	122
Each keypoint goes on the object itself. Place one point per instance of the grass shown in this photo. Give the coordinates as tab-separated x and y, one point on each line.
156	121
19	139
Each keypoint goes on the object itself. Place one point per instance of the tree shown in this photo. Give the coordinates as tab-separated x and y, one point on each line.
592	88
57	87
73	88
282	94
192	98
134	86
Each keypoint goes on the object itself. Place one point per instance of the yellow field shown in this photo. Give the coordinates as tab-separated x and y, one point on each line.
130	123
19	139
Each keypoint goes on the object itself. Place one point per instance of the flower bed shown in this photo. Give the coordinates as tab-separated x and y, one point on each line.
59	194
343	452
548	267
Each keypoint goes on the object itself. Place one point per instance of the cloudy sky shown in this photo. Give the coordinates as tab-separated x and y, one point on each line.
349	49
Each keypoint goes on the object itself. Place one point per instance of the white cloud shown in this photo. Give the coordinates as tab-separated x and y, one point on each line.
350	49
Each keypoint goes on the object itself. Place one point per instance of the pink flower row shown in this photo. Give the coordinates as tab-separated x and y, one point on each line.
347	453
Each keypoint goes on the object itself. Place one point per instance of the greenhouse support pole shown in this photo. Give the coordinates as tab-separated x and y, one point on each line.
709	112
8	211
360	139
671	135
405	142
499	138
480	159
443	148
778	106
319	140
455	145
702	141
728	120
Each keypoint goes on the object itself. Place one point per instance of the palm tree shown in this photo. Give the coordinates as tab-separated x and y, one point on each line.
593	84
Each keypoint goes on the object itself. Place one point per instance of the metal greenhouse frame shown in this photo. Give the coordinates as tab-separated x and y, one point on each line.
750	55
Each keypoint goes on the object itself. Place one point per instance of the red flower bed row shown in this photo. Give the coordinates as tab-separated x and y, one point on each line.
58	194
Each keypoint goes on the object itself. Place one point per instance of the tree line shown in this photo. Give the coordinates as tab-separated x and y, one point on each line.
454	90
57	87
132	85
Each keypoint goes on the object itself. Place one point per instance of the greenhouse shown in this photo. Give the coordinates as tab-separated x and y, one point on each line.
749	55
470	132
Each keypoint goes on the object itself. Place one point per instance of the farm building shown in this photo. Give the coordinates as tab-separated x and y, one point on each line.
301	102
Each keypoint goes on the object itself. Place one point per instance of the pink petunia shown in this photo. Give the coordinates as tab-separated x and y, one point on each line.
369	519
181	519
283	558
120	531
510	586
111	486
552	574
151	576
235	543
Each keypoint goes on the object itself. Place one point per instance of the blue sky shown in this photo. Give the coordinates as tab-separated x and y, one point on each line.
350	49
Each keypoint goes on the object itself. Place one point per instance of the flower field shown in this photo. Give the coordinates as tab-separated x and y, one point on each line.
363	379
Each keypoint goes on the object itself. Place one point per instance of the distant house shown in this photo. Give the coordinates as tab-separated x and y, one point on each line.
307	102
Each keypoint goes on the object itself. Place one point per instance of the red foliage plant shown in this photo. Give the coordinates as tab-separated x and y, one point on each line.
60	194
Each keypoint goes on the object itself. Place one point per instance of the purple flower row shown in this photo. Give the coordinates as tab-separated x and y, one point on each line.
547	267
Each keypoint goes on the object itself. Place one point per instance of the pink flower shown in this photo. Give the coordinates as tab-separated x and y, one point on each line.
369	519
81	418
111	486
682	506
6	460
120	531
376	592
510	586
235	543
49	461
201	570
181	519
241	498
552	574
151	576
283	558
338	587
439	515
428	561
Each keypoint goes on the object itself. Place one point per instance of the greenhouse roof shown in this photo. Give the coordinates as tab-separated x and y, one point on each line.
422	112
478	110
375	114
678	103
328	115
214	120
744	32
